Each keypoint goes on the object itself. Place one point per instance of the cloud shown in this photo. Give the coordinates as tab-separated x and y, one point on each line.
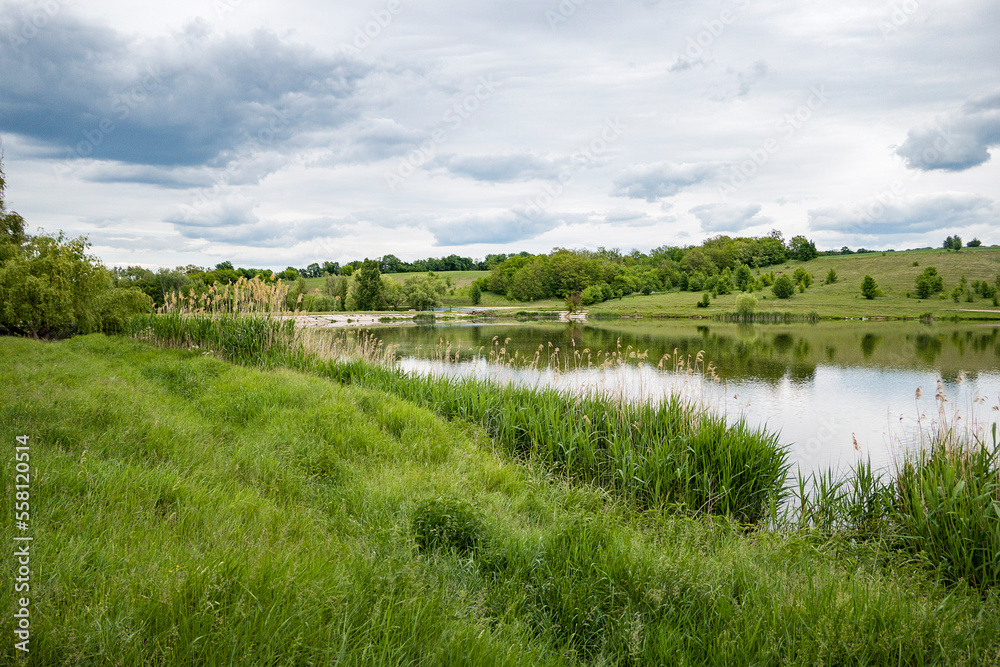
191	99
662	179
729	217
505	226
917	214
499	168
744	81
959	141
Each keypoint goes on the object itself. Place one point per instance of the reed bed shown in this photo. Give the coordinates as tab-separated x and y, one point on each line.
941	504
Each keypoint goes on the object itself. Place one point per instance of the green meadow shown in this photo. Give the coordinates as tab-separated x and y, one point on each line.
288	509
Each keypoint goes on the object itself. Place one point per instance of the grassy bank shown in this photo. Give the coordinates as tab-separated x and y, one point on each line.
190	511
651	455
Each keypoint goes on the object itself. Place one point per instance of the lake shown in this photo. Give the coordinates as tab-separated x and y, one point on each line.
837	392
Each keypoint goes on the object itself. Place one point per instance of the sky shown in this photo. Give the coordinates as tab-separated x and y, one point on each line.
276	134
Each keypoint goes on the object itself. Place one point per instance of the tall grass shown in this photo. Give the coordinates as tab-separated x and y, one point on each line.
190	511
651	454
942	503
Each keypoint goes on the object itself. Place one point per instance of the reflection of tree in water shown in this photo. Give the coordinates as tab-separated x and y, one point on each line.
783	342
868	344
802	373
803	349
927	347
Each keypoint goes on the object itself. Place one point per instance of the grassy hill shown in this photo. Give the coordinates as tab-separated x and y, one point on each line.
186	510
895	273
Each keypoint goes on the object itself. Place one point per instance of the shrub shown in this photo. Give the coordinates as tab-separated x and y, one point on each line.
706	300
117	306
475	293
448	524
869	288
831	277
929	282
745	304
783	287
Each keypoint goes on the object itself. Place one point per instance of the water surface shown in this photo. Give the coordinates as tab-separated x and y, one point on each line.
837	392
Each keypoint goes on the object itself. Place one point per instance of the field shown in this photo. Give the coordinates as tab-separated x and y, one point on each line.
894	272
187	510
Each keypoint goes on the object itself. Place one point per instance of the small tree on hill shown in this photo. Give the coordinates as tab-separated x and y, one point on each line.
475	293
783	287
974	243
831	277
869	288
929	282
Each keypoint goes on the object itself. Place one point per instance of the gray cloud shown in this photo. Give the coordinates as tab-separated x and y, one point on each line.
196	98
728	217
959	141
662	179
494	227
499	168
917	214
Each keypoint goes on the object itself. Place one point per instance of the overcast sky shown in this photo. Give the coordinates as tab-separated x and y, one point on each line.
283	133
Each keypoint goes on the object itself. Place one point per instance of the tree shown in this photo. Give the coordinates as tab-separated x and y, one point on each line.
929	282
392	292
424	292
743	278
368	286
953	243
475	293
745	304
336	287
869	288
783	287
802	249
974	243
831	277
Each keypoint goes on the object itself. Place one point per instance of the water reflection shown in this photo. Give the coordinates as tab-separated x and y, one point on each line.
823	385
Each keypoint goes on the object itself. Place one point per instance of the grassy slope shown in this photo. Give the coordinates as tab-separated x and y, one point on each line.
189	511
894	273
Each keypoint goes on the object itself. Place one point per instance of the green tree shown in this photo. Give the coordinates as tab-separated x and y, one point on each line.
743	278
745	304
802	249
869	288
424	292
336	287
929	283
51	288
475	293
783	287
831	277
393	293
368	288
974	243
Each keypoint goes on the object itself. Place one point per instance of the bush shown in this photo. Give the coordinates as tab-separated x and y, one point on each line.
448	524
475	293
869	288
117	306
706	301
783	287
929	282
831	277
745	304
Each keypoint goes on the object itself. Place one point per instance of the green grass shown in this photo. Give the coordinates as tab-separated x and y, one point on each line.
186	510
894	272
